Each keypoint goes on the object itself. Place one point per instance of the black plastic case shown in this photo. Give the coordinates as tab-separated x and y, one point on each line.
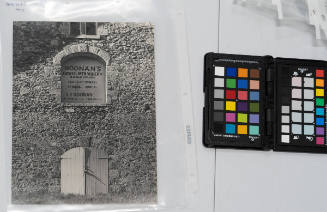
270	127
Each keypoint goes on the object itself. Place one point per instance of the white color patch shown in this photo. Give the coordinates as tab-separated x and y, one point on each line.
285	139
308	118
285	119
296	105
285	128
219	82
219	71
296	117
285	109
308	94
308	106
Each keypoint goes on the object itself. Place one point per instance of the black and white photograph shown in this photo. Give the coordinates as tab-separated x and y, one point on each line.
84	115
163	106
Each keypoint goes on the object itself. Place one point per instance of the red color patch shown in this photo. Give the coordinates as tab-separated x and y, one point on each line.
320	73
230	94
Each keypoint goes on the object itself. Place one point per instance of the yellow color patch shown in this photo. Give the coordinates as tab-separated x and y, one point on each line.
320	83
230	105
242	129
319	92
242	72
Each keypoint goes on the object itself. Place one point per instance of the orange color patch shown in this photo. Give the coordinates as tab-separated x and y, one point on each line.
242	129
320	83
242	72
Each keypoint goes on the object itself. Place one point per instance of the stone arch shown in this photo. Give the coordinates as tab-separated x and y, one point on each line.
80	49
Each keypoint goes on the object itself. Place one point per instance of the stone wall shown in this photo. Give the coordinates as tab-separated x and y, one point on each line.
43	128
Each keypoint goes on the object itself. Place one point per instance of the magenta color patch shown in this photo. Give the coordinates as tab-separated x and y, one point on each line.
320	140
230	117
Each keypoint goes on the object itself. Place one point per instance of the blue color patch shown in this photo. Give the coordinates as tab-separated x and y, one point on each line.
243	84
254	95
320	111
320	121
230	128
231	72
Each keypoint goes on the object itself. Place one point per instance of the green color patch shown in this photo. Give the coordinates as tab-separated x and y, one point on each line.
253	130
242	117
320	102
254	107
231	83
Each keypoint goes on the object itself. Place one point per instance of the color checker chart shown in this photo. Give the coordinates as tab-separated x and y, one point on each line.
261	102
236	101
302	103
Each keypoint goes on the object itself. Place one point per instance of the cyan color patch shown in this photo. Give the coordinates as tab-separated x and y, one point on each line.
254	130
320	121
243	84
320	111
230	128
231	72
254	95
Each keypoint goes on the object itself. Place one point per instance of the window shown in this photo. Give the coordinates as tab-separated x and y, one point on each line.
90	28
83	29
75	28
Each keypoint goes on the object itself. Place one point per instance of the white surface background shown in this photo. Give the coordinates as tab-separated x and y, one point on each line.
257	181
229	180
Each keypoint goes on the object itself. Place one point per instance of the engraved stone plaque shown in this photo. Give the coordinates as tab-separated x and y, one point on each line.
83	80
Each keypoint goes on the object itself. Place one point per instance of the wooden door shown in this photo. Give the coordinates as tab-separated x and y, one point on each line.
72	171
96	171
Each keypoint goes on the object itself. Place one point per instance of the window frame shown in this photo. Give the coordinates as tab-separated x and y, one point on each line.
81	35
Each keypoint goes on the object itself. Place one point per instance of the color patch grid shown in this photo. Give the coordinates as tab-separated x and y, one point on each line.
320	113
306	115
236	100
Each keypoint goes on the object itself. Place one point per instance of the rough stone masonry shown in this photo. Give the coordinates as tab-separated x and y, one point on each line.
44	128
